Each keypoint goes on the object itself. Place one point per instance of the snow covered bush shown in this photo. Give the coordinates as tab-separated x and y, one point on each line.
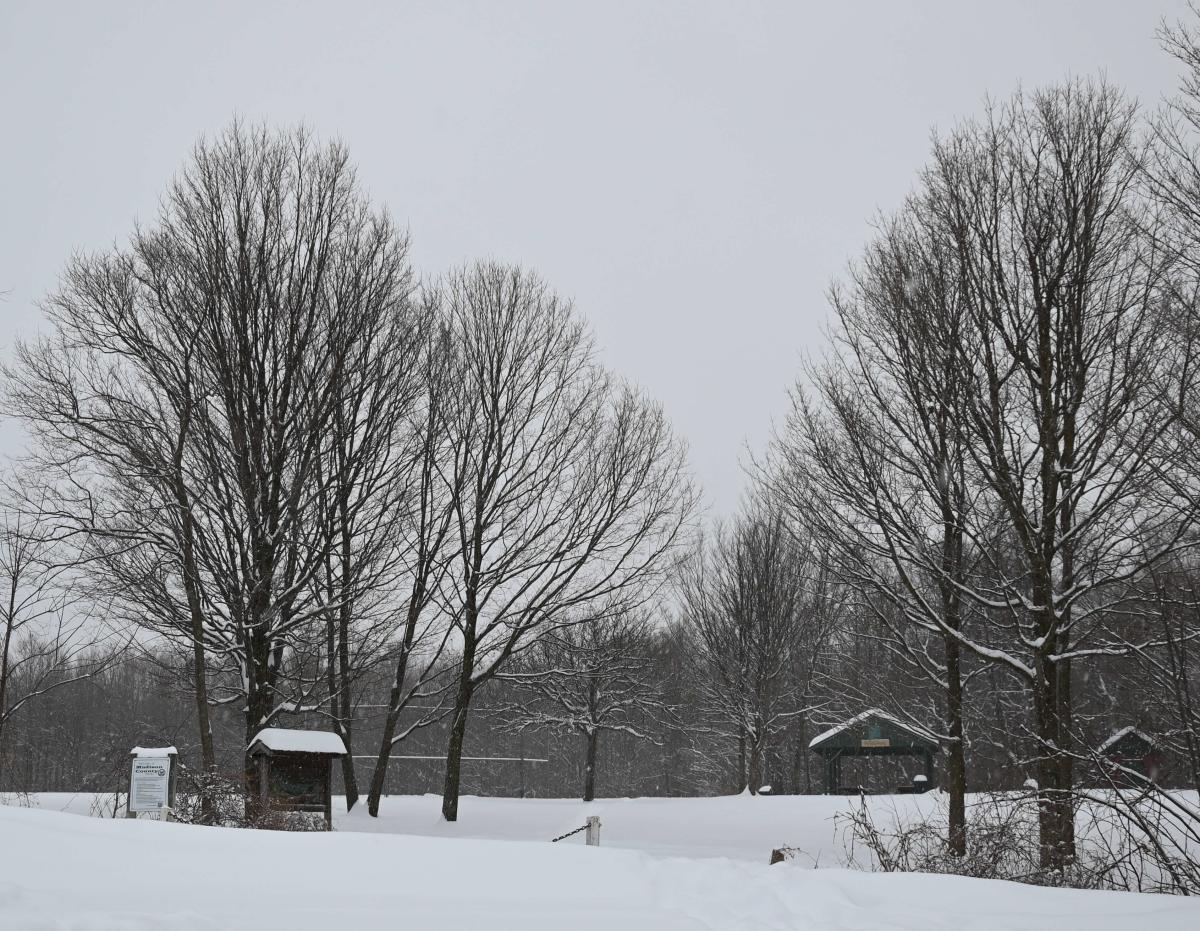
1138	841
215	799
1002	841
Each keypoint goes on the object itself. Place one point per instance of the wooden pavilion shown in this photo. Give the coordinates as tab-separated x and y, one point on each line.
873	733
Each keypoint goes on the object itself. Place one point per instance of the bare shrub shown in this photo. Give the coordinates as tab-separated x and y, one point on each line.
210	798
1145	839
1002	840
1142	840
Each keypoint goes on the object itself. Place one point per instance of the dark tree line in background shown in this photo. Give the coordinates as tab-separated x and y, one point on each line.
313	490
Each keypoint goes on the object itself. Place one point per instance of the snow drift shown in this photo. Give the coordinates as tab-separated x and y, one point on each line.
63	871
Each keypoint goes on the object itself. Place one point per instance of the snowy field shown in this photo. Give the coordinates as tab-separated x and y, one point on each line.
663	864
738	827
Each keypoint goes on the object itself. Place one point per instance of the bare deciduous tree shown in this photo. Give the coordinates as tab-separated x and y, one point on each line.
187	405
588	678
876	463
571	489
747	599
1072	434
425	541
48	636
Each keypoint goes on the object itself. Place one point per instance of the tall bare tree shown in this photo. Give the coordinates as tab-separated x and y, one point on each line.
48	636
214	357
747	599
365	474
425	540
876	463
111	398
572	490
1072	432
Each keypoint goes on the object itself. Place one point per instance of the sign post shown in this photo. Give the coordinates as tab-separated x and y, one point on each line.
152	781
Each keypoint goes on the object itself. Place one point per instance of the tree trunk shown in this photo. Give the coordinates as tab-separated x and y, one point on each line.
259	703
379	776
191	588
346	710
1056	819
1176	651
956	761
754	777
4	650
458	733
345	716
208	762
1064	757
806	754
741	773
592	739
393	713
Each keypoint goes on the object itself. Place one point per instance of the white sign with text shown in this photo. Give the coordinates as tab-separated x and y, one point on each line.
149	783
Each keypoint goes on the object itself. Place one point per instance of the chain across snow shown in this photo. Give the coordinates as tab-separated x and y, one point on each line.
568	834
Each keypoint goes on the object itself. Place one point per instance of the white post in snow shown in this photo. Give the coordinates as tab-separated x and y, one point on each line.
593	831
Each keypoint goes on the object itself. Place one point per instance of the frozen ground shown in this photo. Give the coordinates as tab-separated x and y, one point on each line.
61	871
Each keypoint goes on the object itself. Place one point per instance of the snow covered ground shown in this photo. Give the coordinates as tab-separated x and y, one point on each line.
696	864
739	827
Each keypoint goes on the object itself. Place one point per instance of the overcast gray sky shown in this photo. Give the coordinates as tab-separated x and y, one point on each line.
692	174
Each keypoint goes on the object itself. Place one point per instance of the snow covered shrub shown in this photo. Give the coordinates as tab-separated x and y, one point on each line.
1002	843
1143	840
107	804
289	821
210	798
1135	840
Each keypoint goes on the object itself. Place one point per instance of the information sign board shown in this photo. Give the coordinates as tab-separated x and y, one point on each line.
149	783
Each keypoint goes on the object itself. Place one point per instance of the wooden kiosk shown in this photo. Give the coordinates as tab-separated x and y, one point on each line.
1130	758
293	769
873	733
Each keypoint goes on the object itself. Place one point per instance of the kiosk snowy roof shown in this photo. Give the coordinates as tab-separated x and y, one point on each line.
153	752
291	740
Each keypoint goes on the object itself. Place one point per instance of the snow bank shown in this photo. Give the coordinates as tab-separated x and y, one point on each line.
62	871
